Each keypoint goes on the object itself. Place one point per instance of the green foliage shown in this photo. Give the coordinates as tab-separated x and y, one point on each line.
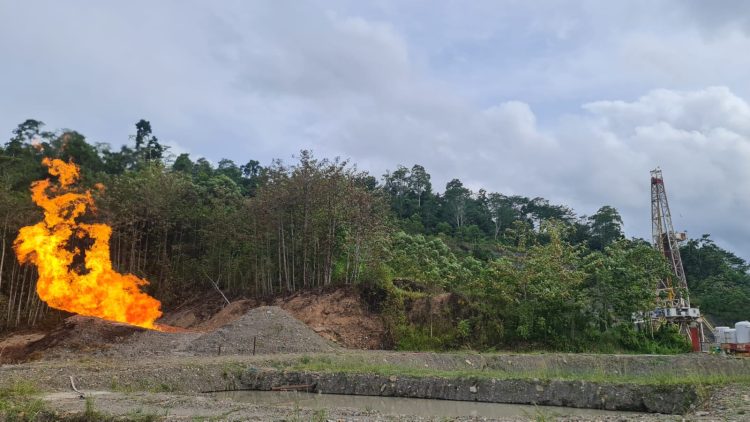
424	259
535	291
621	280
418	338
543	292
606	227
664	340
718	280
471	269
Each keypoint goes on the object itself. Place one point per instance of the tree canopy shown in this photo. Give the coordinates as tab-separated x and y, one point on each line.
524	272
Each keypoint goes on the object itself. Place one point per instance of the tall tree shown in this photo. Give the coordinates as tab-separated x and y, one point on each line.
606	227
456	197
419	183
397	187
146	144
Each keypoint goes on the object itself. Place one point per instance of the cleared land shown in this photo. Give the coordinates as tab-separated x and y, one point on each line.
146	375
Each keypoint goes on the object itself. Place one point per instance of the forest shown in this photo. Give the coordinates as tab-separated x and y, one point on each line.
507	272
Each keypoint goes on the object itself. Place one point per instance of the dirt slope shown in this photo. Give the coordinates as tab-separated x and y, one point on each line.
338	315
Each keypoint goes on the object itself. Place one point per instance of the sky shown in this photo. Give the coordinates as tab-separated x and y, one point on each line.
573	101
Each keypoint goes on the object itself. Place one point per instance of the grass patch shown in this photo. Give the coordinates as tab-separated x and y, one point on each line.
140	385
18	402
328	365
19	389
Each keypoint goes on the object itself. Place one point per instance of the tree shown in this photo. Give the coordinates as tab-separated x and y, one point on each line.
502	212
147	146
73	146
26	132
606	227
456	196
312	224
397	187
621	280
419	182
229	169
252	176
718	280
183	163
536	291
540	209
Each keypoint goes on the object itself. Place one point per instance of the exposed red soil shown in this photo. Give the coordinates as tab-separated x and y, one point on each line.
338	315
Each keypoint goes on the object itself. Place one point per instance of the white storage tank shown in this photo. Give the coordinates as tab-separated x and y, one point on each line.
730	336
742	330
719	334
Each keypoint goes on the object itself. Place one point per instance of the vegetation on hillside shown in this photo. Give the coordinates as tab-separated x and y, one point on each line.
457	269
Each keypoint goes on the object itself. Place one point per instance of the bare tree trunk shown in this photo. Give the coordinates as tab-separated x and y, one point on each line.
294	252
2	259
10	293
285	266
20	297
305	242
357	250
132	249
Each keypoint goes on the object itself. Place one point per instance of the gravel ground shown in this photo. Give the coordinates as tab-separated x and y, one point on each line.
272	330
728	403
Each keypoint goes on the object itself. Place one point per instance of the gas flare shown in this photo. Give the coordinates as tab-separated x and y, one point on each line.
72	257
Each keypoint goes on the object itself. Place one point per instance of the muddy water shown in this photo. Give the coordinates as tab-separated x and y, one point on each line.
407	406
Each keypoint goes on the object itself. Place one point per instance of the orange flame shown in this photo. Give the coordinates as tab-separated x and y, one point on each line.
96	289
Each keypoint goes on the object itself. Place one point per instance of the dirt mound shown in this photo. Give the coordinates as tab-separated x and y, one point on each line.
77	334
338	315
152	343
14	347
272	330
206	313
228	314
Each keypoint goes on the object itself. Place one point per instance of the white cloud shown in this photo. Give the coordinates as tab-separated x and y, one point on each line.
701	139
487	92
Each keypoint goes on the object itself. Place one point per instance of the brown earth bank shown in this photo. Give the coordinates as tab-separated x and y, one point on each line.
337	315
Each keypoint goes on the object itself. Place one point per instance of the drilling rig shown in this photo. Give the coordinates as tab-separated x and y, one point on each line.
672	297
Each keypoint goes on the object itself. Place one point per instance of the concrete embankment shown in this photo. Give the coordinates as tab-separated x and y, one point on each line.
663	384
672	399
